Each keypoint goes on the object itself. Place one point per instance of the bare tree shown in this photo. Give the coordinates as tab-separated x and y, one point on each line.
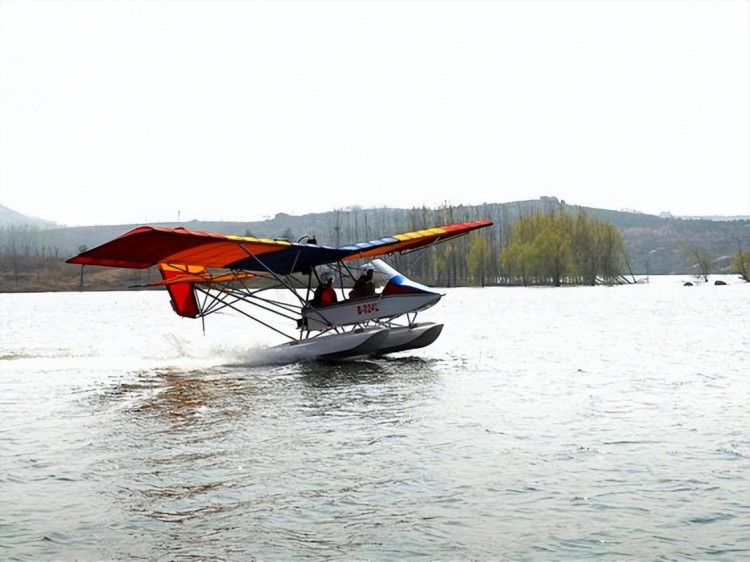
702	260
81	249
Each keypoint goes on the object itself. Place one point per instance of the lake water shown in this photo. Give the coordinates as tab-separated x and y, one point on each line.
544	424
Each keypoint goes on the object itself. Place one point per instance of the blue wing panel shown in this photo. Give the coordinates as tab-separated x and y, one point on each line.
298	258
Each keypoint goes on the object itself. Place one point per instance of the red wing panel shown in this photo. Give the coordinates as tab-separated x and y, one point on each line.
182	295
147	246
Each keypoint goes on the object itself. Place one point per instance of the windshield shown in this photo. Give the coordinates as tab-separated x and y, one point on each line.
384	269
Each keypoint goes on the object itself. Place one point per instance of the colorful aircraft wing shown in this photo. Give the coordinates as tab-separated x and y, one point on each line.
147	246
412	240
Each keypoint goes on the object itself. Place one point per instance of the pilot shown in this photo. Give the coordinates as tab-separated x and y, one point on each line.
325	294
364	286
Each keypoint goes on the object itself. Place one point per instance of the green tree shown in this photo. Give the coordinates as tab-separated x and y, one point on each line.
517	261
609	251
559	247
553	248
583	248
741	265
478	259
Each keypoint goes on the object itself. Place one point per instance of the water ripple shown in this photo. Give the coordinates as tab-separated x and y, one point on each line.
615	428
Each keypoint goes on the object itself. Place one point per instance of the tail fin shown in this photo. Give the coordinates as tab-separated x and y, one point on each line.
182	294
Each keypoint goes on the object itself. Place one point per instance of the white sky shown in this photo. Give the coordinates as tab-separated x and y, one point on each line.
117	112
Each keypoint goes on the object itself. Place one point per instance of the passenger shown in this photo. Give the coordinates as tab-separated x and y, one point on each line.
364	286
325	294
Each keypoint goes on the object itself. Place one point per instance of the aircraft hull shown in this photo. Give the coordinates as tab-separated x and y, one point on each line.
369	342
410	337
329	347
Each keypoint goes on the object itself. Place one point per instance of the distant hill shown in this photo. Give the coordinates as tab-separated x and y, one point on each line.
655	244
9	217
707	217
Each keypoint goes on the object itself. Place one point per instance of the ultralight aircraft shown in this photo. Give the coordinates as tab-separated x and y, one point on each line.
204	273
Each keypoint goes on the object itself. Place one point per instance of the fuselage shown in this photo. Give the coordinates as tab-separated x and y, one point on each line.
399	296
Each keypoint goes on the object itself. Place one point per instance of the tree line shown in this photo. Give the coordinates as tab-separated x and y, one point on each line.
544	242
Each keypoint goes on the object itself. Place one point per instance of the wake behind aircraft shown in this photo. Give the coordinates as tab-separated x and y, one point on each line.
204	273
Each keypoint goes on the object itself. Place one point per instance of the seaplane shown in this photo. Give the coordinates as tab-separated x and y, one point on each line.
204	273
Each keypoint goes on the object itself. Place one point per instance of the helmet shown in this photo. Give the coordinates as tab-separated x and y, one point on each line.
368	267
327	276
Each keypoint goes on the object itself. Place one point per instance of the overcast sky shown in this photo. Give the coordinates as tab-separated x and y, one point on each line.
116	112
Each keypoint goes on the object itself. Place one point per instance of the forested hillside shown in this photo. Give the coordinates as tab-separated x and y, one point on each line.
653	245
